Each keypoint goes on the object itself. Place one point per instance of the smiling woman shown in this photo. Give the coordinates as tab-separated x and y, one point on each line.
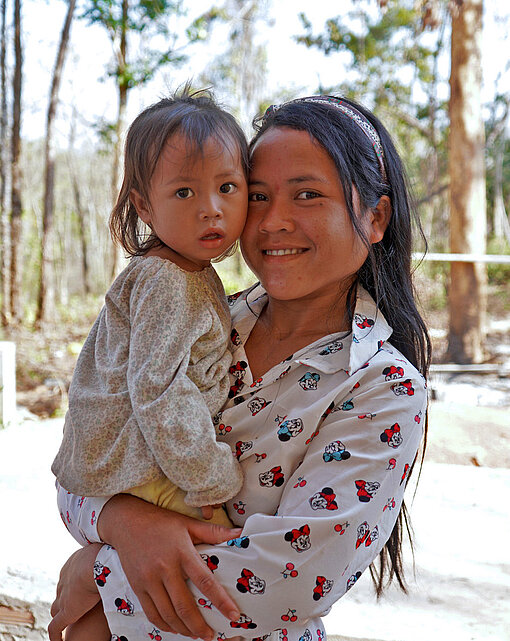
326	439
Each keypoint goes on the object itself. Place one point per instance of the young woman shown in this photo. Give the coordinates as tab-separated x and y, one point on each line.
326	414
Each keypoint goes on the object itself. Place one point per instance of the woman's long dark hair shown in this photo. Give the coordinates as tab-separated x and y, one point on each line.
386	273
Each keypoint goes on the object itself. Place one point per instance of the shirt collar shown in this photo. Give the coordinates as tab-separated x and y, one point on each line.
369	331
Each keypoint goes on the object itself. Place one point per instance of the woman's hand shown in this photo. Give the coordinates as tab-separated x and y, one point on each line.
156	549
76	591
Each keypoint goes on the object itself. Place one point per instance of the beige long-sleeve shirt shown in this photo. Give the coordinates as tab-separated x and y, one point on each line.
152	372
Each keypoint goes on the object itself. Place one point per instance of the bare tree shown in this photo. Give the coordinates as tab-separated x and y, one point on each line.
46	298
5	263
468	224
16	204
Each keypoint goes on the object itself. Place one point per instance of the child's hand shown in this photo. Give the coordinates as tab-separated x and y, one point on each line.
208	510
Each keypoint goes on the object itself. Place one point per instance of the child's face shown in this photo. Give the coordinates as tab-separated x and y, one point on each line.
198	201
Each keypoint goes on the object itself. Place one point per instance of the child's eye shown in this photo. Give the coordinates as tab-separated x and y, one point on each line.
308	195
184	193
228	188
256	197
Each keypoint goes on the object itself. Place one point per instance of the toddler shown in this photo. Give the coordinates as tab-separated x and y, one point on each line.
154	368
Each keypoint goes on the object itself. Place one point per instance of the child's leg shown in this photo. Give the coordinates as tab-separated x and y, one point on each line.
91	627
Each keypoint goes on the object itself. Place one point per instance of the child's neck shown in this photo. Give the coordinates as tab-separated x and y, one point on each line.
163	251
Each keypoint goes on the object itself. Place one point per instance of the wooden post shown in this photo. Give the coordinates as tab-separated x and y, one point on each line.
7	383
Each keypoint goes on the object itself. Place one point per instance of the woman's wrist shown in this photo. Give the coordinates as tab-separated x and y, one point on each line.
121	515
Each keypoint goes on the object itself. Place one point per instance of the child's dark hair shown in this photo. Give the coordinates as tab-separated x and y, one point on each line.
197	117
386	273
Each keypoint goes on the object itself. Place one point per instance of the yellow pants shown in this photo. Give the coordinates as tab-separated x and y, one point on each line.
165	494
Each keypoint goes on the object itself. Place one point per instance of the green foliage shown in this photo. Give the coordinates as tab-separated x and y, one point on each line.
498	273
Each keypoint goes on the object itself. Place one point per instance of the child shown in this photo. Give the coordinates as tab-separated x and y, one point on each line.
154	368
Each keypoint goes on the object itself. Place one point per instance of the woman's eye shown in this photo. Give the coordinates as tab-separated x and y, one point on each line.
308	195
256	197
227	188
184	193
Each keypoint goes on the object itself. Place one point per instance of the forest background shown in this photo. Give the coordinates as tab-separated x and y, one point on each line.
75	72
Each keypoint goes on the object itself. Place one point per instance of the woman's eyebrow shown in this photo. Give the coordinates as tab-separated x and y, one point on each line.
294	180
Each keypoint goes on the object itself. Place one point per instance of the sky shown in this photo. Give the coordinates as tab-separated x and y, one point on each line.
289	64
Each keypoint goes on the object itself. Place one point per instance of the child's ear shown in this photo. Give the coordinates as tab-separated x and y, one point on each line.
380	218
140	204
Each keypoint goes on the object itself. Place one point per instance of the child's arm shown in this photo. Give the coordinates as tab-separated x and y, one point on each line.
169	409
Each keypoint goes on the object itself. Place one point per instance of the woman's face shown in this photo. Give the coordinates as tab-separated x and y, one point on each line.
298	238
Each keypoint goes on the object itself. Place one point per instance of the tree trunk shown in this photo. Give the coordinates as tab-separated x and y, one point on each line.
5	263
123	89
46	298
16	207
468	286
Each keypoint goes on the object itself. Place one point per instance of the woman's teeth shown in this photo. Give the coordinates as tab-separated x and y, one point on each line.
282	252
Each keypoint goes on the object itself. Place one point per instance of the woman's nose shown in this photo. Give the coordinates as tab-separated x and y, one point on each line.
276	217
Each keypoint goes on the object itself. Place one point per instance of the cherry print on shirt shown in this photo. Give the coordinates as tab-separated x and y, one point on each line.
249	582
290	570
155	635
301	482
81	501
93	517
101	573
124	606
239	507
257	404
320	634
290	615
363	322
257	383
335	451
364	535
309	440
323	500
391	464
333	347
393	372
282	634
309	381
260	457
205	603
322	587
272	478
417	418
244	622
299	538
404	388
211	561
368	415
392	436
341	527
289	428
407	469
223	429
366	490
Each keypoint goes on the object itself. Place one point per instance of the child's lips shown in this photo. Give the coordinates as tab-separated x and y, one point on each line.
213	234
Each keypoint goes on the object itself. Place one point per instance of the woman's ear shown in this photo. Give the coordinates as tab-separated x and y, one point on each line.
140	204
380	218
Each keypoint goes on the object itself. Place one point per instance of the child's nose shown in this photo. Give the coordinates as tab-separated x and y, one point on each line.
211	208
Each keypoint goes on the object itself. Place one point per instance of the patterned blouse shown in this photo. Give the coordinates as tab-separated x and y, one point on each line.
152	372
325	439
